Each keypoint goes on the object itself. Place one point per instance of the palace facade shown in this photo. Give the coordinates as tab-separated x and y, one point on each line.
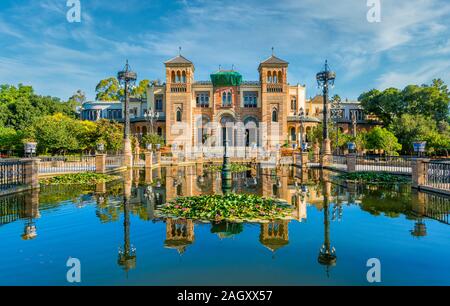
191	113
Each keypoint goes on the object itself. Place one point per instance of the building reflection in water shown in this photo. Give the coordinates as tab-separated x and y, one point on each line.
274	235
179	234
31	213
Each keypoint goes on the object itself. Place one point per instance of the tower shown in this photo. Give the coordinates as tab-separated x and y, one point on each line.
179	79
274	99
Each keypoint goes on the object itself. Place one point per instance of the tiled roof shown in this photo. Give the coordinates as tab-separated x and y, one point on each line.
274	60
180	59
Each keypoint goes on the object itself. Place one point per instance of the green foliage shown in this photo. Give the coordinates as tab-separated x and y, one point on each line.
234	167
381	139
316	135
19	106
373	177
152	139
109	133
411	128
231	207
10	139
61	134
108	90
427	100
87	178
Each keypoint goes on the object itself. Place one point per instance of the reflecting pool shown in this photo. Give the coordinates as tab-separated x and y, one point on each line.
114	232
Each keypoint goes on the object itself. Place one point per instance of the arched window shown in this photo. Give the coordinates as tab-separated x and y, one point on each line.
293	134
173	77
138	130
269	77
178	115
229	97
280	77
178	79
144	130
183	77
224	98
275	79
159	131
293	103
274	115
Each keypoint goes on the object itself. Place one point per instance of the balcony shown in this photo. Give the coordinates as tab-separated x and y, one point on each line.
178	87
275	88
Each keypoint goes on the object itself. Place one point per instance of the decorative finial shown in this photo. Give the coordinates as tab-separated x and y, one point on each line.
179	51
272	51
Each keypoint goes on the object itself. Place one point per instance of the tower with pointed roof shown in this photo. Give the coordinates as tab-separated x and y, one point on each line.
179	79
274	98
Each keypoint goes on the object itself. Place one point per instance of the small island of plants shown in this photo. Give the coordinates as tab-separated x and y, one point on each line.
88	178
374	177
229	207
234	167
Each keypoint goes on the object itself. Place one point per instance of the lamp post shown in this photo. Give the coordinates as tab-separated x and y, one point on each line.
325	79
354	122
336	109
127	78
150	116
301	116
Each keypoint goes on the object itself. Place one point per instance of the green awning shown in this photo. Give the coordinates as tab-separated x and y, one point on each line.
226	78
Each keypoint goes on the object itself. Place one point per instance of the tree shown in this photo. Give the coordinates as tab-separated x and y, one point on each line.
11	140
386	105
428	100
152	139
109	133
381	139
140	91
108	90
410	128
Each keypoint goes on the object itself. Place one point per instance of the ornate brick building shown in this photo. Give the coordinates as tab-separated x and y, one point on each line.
246	113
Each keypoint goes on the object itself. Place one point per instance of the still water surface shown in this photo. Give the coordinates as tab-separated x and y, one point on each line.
113	231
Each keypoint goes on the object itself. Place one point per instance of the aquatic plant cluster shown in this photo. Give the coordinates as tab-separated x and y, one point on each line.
234	167
230	207
374	177
87	178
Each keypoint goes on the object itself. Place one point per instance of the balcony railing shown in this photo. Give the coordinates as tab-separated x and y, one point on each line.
275	88
176	87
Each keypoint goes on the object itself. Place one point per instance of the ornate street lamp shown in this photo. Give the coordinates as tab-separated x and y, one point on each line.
327	254
127	78
150	116
336	114
325	79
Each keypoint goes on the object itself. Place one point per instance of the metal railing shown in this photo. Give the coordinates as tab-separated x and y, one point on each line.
437	175
139	160
66	164
114	161
339	161
12	174
383	164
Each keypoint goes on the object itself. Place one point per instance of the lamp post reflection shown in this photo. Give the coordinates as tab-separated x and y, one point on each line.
327	253
127	254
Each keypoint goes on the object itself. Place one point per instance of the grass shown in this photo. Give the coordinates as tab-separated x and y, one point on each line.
87	178
374	177
229	207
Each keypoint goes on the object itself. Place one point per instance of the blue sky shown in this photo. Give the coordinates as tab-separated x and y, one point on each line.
411	44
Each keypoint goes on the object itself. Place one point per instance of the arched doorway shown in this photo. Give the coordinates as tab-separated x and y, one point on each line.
251	131
227	130
202	124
